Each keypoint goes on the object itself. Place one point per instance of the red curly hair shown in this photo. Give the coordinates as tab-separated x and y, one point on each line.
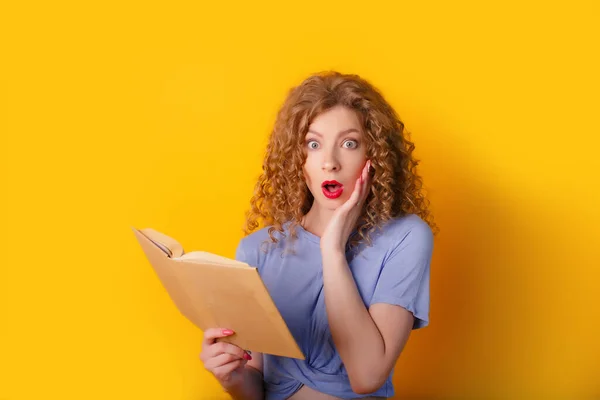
281	194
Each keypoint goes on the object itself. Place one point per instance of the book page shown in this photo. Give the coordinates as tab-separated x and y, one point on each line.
205	257
166	243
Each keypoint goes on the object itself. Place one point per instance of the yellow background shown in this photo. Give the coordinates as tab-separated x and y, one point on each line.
122	114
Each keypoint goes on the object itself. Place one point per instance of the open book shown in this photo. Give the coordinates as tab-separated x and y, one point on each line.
218	292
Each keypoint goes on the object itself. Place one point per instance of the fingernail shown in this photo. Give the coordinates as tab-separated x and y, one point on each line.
247	356
227	332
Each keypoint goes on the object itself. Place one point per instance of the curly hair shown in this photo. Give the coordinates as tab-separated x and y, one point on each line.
281	194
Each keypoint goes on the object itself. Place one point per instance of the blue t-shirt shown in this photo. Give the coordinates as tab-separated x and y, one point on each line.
394	270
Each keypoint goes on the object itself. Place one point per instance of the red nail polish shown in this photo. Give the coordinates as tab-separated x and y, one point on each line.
247	356
227	332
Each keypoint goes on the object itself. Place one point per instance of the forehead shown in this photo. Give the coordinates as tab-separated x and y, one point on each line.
336	120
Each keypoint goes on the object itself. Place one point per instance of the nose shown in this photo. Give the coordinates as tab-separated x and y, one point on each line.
330	163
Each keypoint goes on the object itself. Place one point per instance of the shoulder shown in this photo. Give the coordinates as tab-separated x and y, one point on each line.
254	239
252	248
409	229
247	247
397	228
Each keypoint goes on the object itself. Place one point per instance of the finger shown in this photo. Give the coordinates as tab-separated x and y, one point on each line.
356	193
211	334
365	171
222	347
223	373
361	192
222	359
217	349
366	182
363	178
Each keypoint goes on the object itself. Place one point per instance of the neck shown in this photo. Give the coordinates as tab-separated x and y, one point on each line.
316	219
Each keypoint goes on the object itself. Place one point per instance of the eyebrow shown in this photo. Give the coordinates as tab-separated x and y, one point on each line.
339	133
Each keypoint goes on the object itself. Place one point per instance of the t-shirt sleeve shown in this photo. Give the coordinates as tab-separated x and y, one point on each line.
246	253
404	278
240	253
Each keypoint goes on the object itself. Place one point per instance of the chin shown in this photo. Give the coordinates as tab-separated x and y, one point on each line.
332	204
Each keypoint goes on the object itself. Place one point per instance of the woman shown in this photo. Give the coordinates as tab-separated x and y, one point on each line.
344	251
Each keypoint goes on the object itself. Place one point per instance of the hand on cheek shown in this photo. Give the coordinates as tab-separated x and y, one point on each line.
345	217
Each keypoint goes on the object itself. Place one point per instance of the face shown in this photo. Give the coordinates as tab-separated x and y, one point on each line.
336	155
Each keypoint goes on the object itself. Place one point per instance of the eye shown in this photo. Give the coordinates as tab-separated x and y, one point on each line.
312	144
353	144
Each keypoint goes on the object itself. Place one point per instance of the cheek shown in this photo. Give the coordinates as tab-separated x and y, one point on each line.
309	172
306	177
357	167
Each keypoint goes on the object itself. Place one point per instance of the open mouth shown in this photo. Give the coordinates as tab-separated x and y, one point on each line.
332	189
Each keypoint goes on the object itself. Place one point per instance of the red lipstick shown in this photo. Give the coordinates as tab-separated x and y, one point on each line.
332	189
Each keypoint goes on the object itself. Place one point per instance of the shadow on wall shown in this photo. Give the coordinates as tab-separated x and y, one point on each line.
481	296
